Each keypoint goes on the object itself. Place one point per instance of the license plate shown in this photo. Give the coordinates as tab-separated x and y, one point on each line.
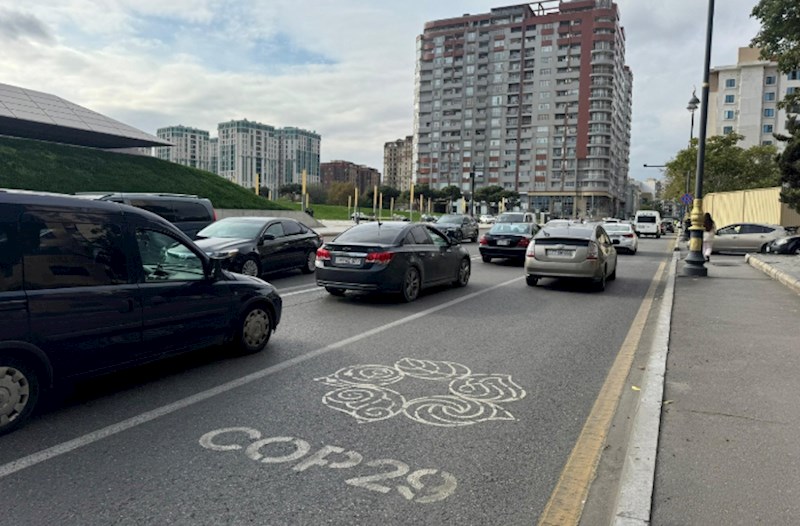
503	242
560	253
339	260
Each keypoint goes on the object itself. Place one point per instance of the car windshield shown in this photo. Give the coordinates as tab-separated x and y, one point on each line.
450	219
511	218
232	229
511	228
646	219
616	227
378	233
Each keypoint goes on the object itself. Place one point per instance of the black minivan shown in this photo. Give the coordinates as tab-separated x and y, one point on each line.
88	287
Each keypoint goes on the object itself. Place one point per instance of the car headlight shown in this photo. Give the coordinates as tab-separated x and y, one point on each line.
224	254
781	241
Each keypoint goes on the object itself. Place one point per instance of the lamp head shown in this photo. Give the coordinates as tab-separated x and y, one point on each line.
693	102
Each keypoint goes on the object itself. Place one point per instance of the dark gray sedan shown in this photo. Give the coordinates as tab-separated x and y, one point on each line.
396	257
458	227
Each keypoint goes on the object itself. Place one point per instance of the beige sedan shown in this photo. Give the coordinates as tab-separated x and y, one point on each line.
746	237
571	251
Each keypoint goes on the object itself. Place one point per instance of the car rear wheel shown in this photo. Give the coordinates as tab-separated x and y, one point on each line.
613	275
311	261
411	285
531	280
250	267
763	249
333	291
19	392
600	284
464	269
486	259
254	330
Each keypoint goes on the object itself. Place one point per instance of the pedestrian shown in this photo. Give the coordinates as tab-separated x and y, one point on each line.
709	229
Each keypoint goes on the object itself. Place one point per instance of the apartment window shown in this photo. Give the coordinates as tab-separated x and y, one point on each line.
766	143
730	83
769	112
794	75
791	91
767	128
729	99
545	71
727	114
546	49
770	80
769	96
727	129
544	106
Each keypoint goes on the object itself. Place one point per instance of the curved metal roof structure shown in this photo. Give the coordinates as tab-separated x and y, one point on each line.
32	114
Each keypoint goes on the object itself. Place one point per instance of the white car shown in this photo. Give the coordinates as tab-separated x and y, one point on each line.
623	236
487	219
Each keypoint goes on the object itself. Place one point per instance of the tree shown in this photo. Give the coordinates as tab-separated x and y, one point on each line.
451	193
779	38
290	189
728	167
789	164
317	193
339	192
489	194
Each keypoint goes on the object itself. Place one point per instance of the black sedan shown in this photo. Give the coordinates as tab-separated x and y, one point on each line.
785	245
396	257
507	240
458	227
257	245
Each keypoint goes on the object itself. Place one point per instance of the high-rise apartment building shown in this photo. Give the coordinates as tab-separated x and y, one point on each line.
534	98
248	154
299	151
398	163
213	155
190	146
362	177
744	99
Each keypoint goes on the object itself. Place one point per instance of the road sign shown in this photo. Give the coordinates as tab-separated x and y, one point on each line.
687	198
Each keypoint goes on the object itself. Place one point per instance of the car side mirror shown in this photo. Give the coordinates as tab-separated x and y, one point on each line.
267	237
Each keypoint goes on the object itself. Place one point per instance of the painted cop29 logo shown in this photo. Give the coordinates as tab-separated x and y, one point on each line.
361	391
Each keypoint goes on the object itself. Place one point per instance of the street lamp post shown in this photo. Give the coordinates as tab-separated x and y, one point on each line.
695	263
692	107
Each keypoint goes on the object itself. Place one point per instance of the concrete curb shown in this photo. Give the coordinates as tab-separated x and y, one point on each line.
776	274
634	499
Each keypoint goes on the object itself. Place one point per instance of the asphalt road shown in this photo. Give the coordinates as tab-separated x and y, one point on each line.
460	408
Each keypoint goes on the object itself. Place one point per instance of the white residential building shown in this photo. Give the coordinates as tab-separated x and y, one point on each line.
744	99
190	146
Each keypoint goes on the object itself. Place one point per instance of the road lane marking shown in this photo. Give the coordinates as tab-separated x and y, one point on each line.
113	429
569	495
306	291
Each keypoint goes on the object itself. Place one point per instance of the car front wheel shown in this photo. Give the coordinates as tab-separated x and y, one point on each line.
250	267
19	392
254	330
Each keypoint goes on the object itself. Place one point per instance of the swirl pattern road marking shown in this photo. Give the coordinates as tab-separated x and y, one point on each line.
472	398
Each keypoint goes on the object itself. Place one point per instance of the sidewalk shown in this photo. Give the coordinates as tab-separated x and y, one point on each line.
729	441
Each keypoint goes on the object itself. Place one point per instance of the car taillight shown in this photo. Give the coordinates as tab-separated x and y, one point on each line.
592	251
215	214
627	235
323	254
531	252
484	241
523	242
380	257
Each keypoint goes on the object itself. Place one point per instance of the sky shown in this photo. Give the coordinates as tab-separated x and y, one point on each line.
341	68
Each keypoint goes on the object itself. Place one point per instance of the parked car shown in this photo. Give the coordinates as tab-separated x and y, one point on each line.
427	218
87	289
746	237
458	227
487	219
516	217
571	251
258	245
507	240
361	216
785	245
391	257
623	236
189	213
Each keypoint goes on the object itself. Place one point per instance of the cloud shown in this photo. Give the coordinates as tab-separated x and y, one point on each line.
342	68
20	26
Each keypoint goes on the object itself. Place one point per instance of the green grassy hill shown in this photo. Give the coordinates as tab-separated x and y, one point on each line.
49	167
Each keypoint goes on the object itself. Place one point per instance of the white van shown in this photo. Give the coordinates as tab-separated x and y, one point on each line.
647	223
